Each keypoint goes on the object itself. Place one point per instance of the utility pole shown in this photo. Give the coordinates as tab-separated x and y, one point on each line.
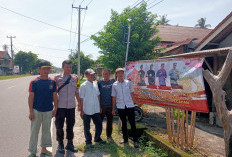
128	44
79	37
12	52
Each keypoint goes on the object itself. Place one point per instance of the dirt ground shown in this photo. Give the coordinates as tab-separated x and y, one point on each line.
208	139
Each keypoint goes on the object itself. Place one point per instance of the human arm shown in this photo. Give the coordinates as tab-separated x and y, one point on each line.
55	101
81	108
78	102
30	104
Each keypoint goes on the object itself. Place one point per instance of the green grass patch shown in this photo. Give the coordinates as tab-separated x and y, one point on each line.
114	149
13	76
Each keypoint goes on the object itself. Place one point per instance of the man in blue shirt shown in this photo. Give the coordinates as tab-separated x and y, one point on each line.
162	74
42	94
105	88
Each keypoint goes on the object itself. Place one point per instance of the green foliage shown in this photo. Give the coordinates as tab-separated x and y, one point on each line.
150	148
85	60
202	23
112	39
176	113
164	20
27	61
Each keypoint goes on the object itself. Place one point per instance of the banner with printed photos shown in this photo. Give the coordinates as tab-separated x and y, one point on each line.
175	82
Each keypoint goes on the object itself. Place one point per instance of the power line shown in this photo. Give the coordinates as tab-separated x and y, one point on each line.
71	30
135	3
138	4
83	21
155	4
82	2
89	3
44	47
40	21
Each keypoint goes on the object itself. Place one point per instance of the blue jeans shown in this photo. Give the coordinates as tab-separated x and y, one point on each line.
98	127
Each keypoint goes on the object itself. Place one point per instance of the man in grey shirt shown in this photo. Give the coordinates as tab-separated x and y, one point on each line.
66	106
105	88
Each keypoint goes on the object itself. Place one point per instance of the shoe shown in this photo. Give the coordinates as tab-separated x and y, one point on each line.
101	141
123	141
110	139
136	144
71	148
60	148
89	145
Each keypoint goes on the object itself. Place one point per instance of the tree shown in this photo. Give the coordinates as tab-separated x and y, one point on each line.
86	62
164	20
112	39
27	61
216	83
201	23
5	47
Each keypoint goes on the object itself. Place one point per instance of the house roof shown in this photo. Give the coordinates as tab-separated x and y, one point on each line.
170	33
3	53
218	34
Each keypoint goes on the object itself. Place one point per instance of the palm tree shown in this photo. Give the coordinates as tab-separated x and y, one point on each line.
5	47
201	23
164	20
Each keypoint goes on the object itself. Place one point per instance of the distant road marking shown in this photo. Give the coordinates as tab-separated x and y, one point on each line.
11	87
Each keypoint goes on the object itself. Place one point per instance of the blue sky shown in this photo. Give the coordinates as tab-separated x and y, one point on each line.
32	35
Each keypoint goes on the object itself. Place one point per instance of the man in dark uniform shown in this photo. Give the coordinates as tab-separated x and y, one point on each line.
151	75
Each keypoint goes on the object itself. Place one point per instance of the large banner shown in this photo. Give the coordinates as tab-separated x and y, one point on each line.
176	82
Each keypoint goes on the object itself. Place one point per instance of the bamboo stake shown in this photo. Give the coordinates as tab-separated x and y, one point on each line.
178	128
186	133
173	126
182	130
168	123
193	128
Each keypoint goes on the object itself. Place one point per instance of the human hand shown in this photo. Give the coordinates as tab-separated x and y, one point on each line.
81	114
54	112
31	116
113	112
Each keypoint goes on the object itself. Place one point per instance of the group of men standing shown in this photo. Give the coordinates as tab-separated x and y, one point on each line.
161	74
95	101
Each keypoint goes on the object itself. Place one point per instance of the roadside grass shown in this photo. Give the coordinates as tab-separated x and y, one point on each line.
114	149
13	76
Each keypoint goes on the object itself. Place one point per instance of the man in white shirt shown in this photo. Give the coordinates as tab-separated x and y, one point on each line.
122	97
90	108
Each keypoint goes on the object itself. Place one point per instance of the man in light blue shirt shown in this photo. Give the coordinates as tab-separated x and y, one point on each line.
90	108
122	97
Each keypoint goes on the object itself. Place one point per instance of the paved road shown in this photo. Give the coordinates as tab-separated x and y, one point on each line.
14	122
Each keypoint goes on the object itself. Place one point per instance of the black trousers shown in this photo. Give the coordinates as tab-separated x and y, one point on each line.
98	127
107	111
61	114
130	113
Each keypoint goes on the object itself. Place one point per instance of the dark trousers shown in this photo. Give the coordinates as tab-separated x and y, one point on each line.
98	127
107	111
61	114
130	113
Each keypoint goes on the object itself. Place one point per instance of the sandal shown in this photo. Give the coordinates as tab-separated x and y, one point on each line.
47	153
32	155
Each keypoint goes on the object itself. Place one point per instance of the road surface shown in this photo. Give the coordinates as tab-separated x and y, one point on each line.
15	125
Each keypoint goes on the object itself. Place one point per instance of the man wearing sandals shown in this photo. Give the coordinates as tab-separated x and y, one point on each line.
42	94
68	89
